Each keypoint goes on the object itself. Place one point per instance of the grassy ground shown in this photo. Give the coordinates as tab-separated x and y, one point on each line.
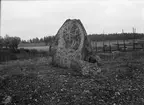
37	82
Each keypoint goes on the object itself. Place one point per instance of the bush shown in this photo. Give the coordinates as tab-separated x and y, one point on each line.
10	42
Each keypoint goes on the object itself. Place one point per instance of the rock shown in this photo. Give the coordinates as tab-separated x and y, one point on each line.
71	45
89	69
7	100
94	59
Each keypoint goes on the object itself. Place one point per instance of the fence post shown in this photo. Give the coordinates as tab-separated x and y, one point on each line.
103	43
134	38
96	46
133	44
142	46
124	45
0	58
103	48
118	46
109	47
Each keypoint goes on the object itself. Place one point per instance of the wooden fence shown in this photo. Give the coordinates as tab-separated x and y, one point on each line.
117	45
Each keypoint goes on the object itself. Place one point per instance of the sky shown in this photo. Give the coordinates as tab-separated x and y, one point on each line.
39	18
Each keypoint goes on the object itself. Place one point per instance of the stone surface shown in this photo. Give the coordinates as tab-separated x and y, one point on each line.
89	69
71	45
94	59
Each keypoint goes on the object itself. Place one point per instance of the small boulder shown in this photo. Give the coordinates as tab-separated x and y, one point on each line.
7	100
94	59
89	69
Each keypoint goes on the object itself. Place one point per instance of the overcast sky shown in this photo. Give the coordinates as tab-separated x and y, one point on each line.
30	19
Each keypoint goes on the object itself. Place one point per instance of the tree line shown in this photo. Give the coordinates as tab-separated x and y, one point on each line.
47	40
13	42
115	36
93	37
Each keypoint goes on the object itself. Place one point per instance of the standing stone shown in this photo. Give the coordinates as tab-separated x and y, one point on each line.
71	45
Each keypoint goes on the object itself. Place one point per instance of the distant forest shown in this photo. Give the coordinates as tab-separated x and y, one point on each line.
115	36
93	37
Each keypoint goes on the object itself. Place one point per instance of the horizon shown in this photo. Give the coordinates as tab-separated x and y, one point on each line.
31	19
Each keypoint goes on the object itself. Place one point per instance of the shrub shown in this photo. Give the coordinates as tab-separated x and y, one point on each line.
11	42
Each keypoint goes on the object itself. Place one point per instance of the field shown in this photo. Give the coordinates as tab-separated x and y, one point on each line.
31	44
37	82
44	48
37	46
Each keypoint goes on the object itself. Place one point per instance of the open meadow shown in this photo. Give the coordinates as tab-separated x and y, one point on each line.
37	82
37	46
44	48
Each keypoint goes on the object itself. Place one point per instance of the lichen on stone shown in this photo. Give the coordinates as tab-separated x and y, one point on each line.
71	45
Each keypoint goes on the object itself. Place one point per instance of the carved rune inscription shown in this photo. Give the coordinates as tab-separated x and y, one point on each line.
72	37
